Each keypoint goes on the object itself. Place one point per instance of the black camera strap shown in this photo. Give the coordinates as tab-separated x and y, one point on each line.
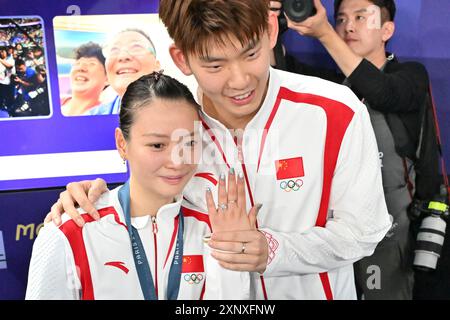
439	143
280	58
405	146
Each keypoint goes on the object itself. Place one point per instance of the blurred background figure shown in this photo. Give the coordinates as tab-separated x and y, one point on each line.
36	101
129	55
87	79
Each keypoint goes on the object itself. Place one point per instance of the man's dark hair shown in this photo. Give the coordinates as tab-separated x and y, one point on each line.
90	50
387	7
198	25
20	62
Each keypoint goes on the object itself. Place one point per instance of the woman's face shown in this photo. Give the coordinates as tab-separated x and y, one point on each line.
88	77
162	148
123	64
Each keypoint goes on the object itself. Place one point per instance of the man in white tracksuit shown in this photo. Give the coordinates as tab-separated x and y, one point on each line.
305	146
317	176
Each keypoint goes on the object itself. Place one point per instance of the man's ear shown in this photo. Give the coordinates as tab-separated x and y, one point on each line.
388	30
121	143
180	60
273	29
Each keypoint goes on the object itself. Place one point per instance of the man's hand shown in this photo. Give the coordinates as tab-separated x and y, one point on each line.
243	247
251	245
316	26
85	194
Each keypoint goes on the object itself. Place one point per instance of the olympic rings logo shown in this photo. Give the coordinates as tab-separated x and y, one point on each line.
193	278
291	185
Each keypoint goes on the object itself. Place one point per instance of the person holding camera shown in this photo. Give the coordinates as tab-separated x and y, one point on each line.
36	102
358	46
25	81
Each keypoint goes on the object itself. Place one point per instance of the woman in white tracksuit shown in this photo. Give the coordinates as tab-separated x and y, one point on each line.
148	242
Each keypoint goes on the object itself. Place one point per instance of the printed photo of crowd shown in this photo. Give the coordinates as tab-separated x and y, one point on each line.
23	72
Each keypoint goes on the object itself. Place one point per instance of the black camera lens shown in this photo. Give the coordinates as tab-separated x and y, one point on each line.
298	5
299	10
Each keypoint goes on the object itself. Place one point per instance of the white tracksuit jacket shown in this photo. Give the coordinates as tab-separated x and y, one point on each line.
311	159
96	261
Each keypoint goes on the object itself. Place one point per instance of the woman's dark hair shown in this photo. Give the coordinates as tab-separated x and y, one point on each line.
144	90
90	50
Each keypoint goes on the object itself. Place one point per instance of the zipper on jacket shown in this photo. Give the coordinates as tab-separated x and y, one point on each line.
155	231
154	225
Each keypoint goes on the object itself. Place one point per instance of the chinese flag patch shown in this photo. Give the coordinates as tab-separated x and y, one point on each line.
289	168
192	264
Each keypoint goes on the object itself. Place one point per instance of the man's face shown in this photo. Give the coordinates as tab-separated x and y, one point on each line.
124	67
358	23
87	77
2	54
234	78
21	69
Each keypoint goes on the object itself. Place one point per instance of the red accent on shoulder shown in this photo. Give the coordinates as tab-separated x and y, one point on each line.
74	235
208	176
118	264
197	215
339	117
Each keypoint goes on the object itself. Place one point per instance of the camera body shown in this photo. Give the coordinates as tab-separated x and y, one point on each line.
15	78
431	235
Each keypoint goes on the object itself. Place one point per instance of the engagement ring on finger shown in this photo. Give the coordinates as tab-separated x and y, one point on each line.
243	247
223	206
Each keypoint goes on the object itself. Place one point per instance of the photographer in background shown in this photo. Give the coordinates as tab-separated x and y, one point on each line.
25	81
386	86
36	102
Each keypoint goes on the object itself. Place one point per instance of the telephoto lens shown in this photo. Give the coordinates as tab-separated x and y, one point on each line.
299	10
429	243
